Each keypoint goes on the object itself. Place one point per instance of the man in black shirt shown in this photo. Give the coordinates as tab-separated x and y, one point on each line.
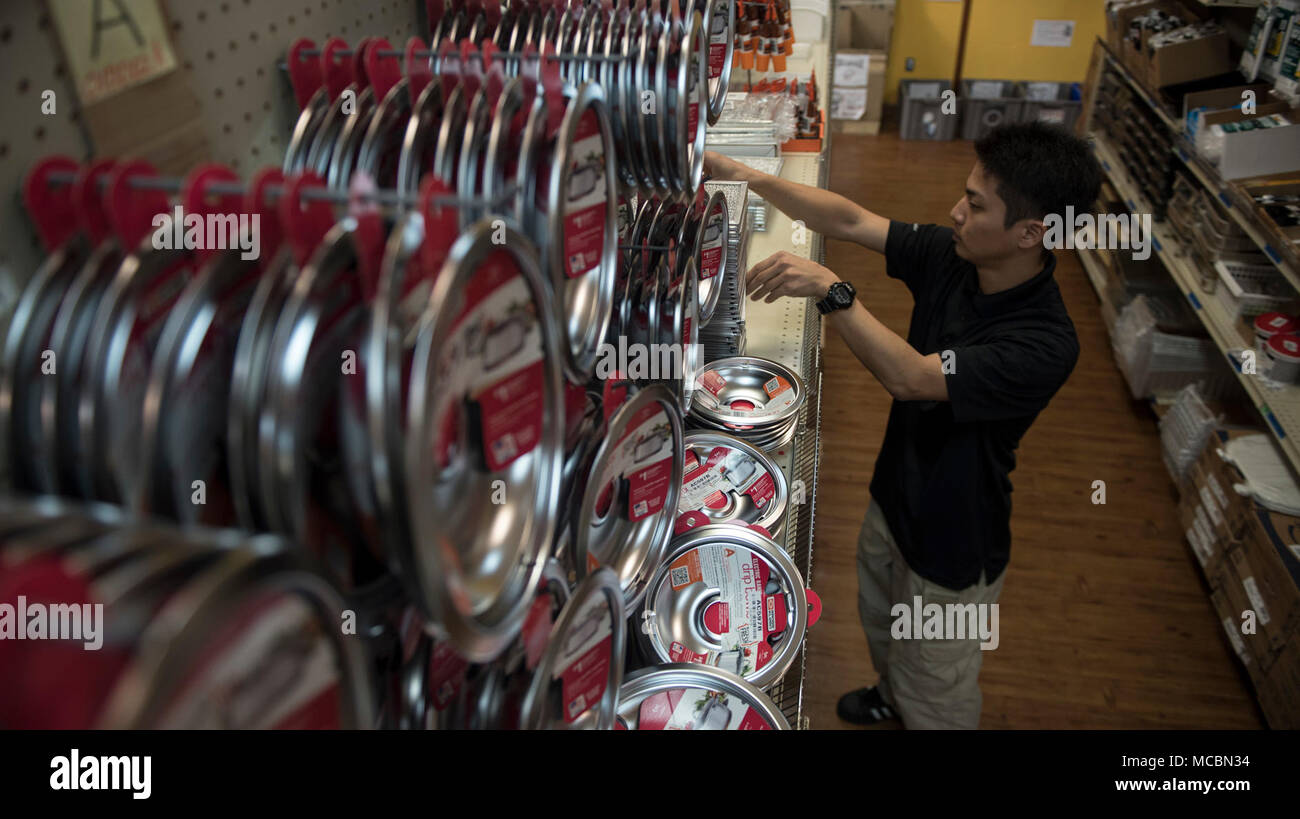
989	344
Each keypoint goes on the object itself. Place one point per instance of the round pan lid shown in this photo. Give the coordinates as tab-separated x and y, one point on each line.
687	696
486	412
583	230
24	357
726	596
576	683
629	504
727	480
257	602
61	395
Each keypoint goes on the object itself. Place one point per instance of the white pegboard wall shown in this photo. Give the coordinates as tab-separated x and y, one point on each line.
230	51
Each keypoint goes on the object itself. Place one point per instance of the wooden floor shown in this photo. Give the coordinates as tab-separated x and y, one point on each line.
1105	619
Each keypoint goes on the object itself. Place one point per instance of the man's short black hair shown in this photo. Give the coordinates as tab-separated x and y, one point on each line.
1040	169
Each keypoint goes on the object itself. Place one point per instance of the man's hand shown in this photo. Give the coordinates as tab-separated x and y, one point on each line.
724	168
785	274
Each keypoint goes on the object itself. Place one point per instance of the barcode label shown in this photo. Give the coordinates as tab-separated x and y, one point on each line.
681	576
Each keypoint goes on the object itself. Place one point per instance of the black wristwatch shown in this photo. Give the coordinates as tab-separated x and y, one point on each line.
839	297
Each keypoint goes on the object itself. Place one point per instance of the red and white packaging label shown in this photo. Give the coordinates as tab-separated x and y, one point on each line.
584	201
725	470
493	356
698	709
446	675
270	667
643	455
711	382
715	237
583	664
780	394
739	616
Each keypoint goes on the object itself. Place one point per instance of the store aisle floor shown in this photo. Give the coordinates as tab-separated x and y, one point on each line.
1105	619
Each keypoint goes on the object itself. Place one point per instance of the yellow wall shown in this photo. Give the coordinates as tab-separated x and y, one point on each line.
926	30
997	42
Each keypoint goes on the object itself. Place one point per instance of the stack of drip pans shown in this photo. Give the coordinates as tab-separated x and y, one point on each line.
752	398
724	333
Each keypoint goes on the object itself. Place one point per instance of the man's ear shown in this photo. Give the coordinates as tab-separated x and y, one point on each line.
1030	233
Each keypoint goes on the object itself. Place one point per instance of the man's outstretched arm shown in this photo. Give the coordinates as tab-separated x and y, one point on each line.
901	369
829	214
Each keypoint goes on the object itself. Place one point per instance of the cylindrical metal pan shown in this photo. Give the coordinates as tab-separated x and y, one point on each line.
487	416
746	390
726	596
582	229
732	482
23	365
629	504
651	699
576	684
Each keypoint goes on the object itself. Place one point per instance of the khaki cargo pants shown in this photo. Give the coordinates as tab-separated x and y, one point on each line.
930	683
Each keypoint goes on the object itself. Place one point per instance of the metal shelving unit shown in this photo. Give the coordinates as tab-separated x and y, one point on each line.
1278	404
789	331
1244	211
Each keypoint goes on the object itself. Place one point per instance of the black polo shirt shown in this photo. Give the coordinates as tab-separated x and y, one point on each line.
942	478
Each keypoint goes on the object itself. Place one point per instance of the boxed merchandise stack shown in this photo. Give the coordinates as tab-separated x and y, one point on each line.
1241	513
862	36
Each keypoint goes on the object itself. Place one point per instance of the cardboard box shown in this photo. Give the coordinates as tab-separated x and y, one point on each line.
1228	612
1279	690
1187	61
862	35
1262	151
1118	14
1118	17
1222	99
1268	565
1278	185
1258	643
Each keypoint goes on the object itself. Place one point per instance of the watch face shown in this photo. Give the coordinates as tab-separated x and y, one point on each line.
842	295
